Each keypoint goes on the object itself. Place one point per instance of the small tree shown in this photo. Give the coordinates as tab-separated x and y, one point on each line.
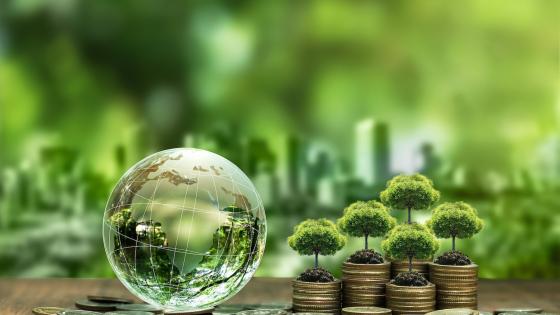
314	237
455	219
364	219
411	192
410	241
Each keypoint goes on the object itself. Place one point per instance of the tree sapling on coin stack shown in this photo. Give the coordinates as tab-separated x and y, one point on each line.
409	292
410	192
316	289
454	274
365	273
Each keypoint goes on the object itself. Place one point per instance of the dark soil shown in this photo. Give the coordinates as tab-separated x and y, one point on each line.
316	275
455	258
410	279
365	256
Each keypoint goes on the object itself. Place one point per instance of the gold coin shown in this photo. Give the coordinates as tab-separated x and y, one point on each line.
316	284
365	310
518	309
454	311
363	296
316	292
305	310
46	310
315	303
209	311
363	304
361	290
317	300
316	309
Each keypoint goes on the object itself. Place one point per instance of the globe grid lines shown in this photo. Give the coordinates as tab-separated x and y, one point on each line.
256	231
258	207
168	248
109	226
150	246
190	226
179	226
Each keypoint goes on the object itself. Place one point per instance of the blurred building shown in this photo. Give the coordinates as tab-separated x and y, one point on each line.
372	152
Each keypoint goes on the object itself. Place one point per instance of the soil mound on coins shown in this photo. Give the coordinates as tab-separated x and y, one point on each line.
316	275
410	279
365	256
455	258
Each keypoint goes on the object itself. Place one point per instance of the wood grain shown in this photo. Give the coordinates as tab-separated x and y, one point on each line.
19	296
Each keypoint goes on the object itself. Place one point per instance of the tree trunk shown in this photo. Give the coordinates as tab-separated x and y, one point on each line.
453	242
366	237
409	263
316	260
409	218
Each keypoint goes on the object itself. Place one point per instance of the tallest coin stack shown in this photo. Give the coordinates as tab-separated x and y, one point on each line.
456	285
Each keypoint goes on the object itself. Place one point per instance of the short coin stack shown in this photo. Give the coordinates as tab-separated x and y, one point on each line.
364	284
420	266
411	300
316	297
456	285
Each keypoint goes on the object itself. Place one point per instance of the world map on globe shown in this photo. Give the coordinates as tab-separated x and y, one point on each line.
184	229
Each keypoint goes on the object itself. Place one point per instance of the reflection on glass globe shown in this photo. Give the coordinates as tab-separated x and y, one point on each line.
184	229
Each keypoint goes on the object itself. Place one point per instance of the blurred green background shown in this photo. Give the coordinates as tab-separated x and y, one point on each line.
319	102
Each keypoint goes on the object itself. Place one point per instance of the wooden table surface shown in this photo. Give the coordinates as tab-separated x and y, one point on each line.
19	296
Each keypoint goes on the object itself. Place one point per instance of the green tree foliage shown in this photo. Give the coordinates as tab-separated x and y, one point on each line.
411	240
314	237
455	219
366	218
411	192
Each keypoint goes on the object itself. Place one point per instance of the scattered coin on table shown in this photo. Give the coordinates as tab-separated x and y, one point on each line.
46	310
535	310
193	312
234	307
365	310
140	307
263	312
454	311
129	313
229	309
78	312
108	299
85	304
274	306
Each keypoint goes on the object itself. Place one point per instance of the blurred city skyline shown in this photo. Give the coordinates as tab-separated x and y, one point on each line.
319	102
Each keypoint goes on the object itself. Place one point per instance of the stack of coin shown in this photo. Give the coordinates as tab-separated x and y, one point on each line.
364	284
456	285
365	310
316	297
418	265
411	300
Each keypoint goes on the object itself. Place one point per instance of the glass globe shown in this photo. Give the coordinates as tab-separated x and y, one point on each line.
184	229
